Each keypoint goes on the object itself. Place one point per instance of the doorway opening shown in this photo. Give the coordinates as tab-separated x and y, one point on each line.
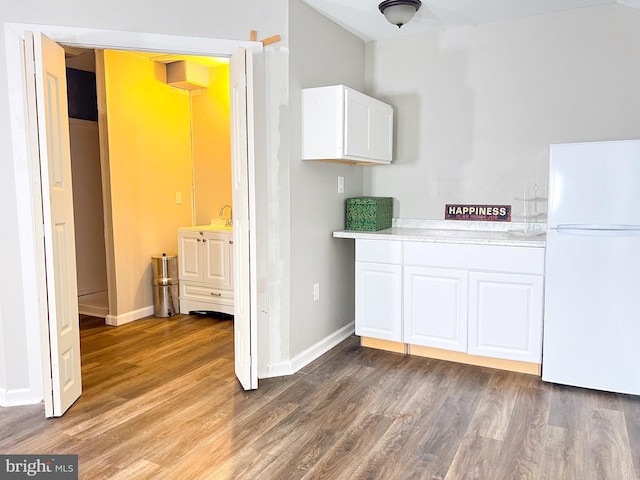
181	132
169	162
54	297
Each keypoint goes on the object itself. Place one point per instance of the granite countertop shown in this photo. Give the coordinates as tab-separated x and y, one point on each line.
443	231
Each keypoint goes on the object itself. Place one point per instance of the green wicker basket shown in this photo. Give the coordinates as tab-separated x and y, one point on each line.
368	214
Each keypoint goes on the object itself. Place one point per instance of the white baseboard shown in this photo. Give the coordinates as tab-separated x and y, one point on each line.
304	358
117	320
281	368
92	311
315	351
17	397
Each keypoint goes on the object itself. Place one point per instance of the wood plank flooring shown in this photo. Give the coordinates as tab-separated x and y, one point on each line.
161	401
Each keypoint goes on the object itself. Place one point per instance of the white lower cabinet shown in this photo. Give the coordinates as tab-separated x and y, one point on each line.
379	289
505	316
477	299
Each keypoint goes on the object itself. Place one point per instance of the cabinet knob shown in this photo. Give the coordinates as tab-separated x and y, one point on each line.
204	239
231	242
198	239
216	294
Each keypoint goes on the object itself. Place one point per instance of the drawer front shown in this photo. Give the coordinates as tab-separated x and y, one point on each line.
379	251
525	260
202	293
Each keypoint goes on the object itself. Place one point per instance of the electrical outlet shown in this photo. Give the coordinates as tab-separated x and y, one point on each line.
340	184
316	292
178	198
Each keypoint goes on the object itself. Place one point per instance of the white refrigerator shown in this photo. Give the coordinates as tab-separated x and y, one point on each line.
592	267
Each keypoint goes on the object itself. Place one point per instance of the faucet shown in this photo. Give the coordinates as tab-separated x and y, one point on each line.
229	221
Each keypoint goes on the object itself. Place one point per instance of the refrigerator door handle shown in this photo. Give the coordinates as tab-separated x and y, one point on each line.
598	229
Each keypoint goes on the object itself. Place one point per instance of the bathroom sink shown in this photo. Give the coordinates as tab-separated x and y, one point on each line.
220	224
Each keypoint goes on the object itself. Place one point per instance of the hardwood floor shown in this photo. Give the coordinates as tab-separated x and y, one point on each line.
161	401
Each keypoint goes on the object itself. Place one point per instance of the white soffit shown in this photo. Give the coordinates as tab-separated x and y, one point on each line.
362	17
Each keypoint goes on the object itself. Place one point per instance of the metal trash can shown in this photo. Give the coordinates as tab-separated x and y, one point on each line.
165	285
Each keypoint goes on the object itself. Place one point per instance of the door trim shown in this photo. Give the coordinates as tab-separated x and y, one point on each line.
26	171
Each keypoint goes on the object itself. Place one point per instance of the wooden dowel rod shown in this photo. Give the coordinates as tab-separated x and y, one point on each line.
270	40
253	36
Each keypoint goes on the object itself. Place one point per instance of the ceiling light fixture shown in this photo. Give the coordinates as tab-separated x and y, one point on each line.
399	12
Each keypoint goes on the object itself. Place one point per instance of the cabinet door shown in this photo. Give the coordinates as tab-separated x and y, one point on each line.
190	259
217	265
357	128
505	316
435	308
379	301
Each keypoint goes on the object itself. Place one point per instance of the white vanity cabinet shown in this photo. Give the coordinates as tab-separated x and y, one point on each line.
205	266
342	124
480	300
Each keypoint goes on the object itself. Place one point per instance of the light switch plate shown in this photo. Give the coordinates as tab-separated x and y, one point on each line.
340	184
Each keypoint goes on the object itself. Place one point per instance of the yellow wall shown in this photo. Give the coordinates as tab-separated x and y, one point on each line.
150	160
212	146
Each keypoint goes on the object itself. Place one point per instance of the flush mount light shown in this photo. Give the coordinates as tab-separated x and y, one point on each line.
399	12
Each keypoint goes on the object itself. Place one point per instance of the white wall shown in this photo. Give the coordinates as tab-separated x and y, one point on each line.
20	375
321	53
478	107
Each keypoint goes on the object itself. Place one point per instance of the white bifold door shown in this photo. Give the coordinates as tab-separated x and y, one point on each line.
244	232
46	58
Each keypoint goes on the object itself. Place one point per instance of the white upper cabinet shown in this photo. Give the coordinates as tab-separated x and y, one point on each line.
342	124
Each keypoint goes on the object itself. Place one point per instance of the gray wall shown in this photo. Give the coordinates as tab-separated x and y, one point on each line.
478	106
321	53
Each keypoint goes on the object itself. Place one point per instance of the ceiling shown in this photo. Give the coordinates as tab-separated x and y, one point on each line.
362	17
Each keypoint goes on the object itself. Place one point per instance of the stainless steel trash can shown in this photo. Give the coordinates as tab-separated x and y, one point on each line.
165	285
